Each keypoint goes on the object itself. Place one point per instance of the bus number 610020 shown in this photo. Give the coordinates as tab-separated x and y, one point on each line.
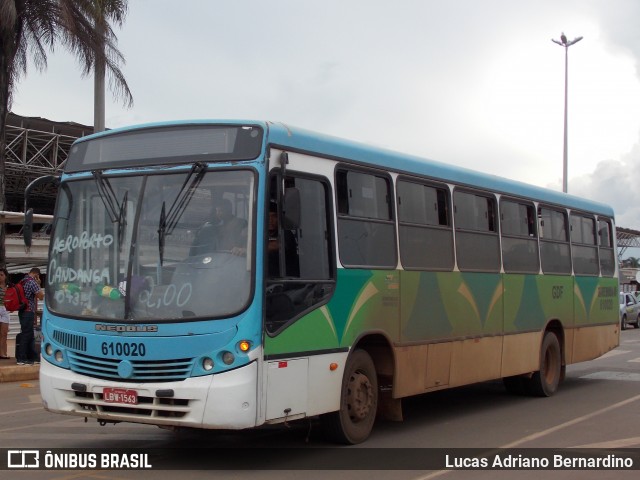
126	349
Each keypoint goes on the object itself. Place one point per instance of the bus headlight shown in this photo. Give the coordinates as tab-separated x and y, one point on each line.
207	364
48	349
228	358
58	356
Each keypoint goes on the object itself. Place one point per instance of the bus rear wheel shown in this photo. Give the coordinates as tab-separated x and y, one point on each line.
545	381
358	402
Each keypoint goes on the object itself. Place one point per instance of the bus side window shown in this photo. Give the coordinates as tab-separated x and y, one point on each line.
366	227
425	233
605	248
477	242
584	245
300	272
555	253
519	238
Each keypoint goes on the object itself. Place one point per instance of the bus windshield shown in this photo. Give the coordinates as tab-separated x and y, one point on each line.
171	246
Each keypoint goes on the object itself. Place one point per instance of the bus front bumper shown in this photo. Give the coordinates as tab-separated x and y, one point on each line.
222	401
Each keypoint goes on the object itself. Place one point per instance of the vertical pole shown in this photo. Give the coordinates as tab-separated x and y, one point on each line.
565	161
563	42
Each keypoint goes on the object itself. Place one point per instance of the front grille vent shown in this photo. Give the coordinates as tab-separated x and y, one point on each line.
169	370
70	340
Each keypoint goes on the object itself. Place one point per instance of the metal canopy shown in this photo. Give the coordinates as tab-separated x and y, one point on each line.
627	238
36	147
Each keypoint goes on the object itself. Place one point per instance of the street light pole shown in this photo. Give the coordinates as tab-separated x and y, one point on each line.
563	42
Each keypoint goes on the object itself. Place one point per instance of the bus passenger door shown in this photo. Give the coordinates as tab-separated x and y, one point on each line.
300	270
299	280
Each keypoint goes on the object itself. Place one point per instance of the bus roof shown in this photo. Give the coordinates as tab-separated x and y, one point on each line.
301	140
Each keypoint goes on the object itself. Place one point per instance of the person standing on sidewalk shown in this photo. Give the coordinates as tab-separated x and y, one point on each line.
4	315
25	349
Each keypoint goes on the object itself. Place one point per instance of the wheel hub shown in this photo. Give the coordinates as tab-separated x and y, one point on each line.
360	397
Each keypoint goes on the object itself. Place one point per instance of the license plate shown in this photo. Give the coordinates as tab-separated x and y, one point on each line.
120	395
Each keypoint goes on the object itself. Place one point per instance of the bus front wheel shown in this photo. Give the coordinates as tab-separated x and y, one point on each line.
545	381
358	402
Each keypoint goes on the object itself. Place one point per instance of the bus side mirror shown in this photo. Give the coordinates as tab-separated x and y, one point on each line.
27	228
291	212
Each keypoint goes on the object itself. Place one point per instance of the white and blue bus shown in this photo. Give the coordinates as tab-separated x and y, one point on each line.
230	274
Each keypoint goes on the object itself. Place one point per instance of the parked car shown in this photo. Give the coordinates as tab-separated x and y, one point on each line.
629	310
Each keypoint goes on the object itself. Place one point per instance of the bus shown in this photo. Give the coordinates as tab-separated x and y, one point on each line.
232	274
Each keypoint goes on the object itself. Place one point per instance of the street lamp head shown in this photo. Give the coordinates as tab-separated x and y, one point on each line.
563	42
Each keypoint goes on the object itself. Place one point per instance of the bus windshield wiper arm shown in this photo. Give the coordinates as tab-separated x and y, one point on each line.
117	211
162	228
122	218
169	220
107	195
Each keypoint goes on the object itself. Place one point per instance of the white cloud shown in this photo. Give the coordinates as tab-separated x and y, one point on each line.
615	182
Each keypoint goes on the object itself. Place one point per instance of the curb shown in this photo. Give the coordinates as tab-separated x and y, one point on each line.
10	372
17	373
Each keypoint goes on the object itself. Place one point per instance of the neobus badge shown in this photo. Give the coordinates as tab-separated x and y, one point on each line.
126	328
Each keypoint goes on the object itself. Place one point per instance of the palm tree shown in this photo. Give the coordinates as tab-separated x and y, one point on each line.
103	12
28	28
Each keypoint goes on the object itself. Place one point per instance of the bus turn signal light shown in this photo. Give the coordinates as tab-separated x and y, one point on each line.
244	345
333	367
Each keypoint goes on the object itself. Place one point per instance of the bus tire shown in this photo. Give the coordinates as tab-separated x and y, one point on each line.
358	402
545	381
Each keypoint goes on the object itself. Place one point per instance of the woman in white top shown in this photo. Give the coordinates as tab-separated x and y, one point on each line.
4	315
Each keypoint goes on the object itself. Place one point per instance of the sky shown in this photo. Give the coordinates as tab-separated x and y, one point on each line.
477	84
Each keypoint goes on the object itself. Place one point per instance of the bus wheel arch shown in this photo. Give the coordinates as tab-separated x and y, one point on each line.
378	346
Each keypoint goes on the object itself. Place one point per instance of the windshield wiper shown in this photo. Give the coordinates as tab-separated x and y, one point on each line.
117	211
122	218
169	220
162	228
107	195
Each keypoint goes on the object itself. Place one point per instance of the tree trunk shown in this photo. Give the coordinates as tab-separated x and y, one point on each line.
98	99
98	85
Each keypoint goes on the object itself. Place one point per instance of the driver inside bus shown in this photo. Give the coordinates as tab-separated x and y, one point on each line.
226	233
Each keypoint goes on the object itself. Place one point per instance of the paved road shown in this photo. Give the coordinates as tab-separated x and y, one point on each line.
598	406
